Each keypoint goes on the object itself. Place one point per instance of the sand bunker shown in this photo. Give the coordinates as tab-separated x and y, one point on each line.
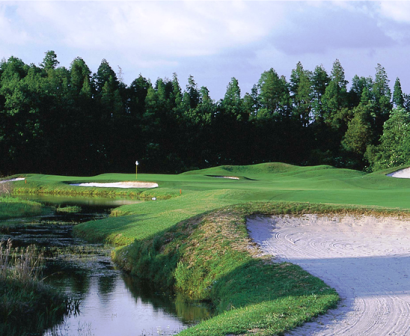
403	173
13	179
366	259
118	185
225	177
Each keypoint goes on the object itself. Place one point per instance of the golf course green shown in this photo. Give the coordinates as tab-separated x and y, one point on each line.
190	234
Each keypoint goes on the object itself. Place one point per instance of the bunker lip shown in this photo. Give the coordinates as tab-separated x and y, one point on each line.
225	177
402	173
13	179
124	185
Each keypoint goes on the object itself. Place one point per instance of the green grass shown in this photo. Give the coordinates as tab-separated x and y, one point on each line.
210	257
11	207
185	241
69	209
261	182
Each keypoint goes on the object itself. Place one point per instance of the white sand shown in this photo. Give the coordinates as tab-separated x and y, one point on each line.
228	177
403	173
13	179
367	260
118	185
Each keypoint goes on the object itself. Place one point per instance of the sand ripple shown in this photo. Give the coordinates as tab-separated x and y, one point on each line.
366	259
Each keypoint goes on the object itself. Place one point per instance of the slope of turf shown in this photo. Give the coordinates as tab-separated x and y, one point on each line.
11	207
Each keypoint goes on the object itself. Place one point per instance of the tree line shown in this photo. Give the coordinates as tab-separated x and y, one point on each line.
71	121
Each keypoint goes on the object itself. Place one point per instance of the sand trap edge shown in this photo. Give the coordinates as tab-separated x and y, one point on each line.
124	185
402	173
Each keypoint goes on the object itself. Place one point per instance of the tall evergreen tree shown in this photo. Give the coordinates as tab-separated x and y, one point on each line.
137	93
103	75
80	75
398	99
382	96
334	98
193	93
320	80
274	95
301	93
50	61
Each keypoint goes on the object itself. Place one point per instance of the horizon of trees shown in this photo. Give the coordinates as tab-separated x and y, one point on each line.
71	121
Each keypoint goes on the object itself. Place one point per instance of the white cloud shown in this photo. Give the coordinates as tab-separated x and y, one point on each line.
212	40
149	30
398	11
10	33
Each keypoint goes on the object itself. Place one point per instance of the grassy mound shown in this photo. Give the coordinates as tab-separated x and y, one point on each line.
11	207
210	257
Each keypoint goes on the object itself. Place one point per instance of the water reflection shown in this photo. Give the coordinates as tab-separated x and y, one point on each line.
112	303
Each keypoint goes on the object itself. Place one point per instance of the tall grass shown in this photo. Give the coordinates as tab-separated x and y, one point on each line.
20	264
6	189
27	305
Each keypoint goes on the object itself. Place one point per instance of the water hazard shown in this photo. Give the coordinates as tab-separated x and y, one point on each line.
111	302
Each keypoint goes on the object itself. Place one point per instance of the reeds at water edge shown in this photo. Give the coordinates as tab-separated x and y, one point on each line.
22	264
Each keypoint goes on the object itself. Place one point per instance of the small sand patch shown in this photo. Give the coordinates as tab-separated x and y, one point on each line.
125	185
402	173
13	179
225	177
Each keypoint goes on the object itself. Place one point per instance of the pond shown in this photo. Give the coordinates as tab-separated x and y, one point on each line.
111	302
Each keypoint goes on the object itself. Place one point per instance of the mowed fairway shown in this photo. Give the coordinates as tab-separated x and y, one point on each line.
195	192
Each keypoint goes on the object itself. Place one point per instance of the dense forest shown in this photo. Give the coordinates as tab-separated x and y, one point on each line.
72	121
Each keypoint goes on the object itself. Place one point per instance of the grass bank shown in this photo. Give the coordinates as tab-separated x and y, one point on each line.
27	306
11	207
210	257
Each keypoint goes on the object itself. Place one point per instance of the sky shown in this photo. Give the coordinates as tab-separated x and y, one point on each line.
212	40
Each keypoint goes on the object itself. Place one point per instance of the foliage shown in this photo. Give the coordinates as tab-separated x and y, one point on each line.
394	148
72	121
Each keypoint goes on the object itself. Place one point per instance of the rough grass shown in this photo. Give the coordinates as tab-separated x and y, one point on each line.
23	297
11	207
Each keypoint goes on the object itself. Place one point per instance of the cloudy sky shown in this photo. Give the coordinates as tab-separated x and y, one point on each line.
212	40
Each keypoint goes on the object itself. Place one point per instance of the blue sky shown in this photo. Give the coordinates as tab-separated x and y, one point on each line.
212	40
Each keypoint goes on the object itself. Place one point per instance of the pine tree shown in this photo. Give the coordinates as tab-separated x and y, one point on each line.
301	93
398	99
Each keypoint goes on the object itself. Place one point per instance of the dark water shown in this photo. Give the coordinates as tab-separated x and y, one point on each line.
112	302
